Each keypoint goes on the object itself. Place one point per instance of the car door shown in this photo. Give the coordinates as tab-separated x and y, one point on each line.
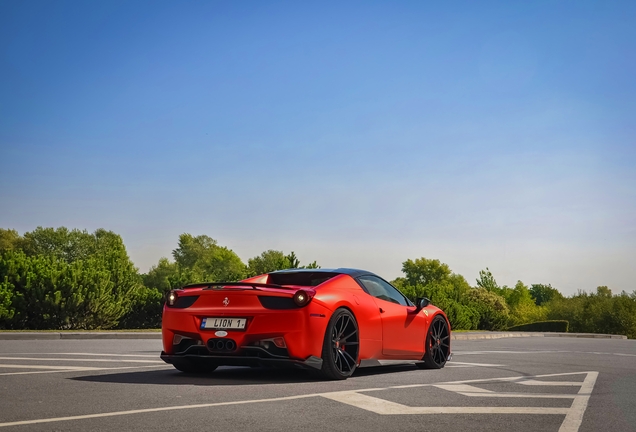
403	328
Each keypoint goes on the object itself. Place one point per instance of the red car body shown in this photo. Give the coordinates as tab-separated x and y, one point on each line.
300	317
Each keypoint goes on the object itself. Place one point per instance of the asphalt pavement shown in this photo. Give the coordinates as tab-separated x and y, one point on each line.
521	384
470	335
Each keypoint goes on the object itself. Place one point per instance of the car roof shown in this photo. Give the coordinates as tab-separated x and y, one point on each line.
354	273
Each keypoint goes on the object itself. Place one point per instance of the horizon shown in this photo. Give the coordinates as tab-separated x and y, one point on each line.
306	262
360	135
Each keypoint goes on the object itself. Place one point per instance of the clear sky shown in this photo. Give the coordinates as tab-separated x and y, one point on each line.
358	134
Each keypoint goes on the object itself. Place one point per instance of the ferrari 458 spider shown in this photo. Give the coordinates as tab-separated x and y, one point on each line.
330	321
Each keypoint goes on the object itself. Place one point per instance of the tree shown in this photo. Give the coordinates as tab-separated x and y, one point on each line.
523	308
50	293
294	262
272	260
544	293
492	309
6	300
487	281
197	259
192	250
424	271
268	261
163	277
201	259
604	291
147	303
67	279
519	295
9	240
432	279
146	309
597	313
62	243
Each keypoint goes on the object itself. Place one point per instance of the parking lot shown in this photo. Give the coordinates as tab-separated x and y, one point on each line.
546	384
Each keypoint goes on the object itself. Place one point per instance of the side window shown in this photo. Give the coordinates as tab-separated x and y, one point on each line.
383	290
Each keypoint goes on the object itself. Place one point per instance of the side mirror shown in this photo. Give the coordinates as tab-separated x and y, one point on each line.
421	303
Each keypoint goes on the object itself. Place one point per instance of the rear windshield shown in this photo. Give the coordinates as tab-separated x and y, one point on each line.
301	278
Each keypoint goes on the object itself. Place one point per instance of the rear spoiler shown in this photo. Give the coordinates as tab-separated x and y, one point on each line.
220	285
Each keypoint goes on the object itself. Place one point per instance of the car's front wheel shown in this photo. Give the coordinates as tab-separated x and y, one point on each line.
437	345
341	346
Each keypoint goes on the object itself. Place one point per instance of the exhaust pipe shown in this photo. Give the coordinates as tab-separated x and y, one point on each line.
221	345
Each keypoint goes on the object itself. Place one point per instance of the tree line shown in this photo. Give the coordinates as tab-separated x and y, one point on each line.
72	279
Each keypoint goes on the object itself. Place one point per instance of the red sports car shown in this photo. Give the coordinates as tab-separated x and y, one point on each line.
331	321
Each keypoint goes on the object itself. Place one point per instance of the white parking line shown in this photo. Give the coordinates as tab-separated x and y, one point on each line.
80	360
20	366
463	364
385	407
549	383
572	422
472	391
459	388
482	380
149	410
455	353
574	418
76	369
89	354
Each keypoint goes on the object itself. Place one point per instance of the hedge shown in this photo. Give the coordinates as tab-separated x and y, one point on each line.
560	326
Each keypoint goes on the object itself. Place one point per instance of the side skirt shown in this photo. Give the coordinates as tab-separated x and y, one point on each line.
375	363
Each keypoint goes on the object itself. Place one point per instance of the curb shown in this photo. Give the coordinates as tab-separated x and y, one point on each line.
492	335
18	335
500	335
585	335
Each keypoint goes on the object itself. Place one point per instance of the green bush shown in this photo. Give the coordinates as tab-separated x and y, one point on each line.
557	326
56	278
61	279
492	309
600	312
146	310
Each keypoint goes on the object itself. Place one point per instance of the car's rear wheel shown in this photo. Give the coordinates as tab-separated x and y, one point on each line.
437	345
187	366
341	346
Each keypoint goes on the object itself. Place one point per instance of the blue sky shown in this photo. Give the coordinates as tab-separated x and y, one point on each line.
484	134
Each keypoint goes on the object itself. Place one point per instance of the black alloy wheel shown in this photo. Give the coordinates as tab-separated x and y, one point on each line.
437	345
341	345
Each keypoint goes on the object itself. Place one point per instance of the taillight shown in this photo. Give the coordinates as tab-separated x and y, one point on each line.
172	298
301	298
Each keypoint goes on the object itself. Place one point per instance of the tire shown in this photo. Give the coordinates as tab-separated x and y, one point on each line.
437	345
189	367
340	346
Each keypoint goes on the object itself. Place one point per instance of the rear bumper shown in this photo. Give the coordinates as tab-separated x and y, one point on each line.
302	329
198	356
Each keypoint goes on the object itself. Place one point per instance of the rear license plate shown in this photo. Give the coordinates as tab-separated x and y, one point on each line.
224	323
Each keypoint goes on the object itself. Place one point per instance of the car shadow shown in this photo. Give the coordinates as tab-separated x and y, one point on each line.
382	370
230	376
223	376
